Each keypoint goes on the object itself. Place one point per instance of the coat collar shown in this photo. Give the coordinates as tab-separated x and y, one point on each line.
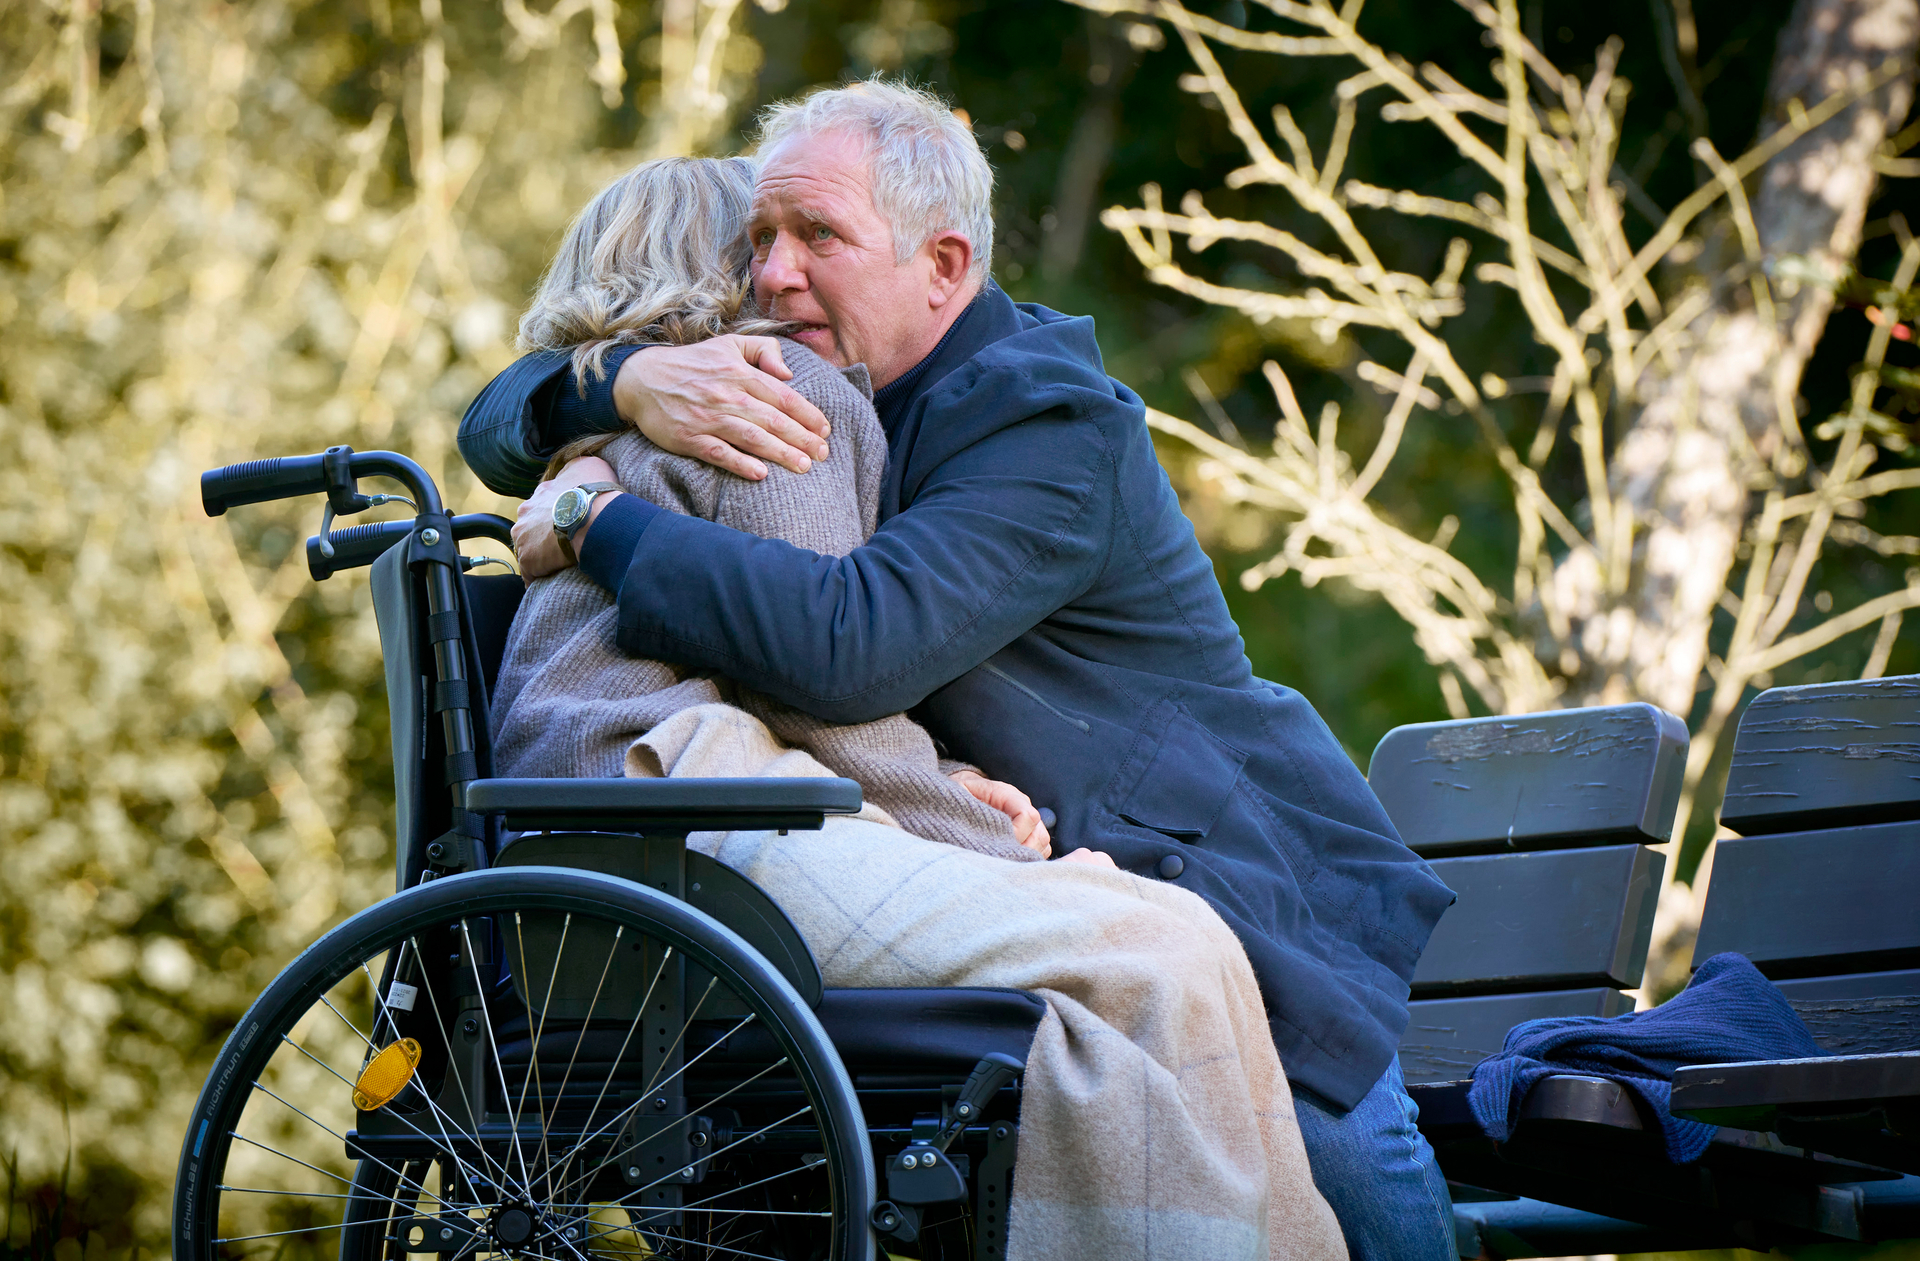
988	318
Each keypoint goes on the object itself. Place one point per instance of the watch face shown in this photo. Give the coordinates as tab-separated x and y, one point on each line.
568	509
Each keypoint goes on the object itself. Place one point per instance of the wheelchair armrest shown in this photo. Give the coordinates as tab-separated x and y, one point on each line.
657	806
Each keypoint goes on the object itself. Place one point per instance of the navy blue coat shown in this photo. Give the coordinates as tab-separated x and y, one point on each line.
1036	597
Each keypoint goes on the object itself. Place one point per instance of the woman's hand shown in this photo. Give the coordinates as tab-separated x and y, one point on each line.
1016	805
1091	857
535	545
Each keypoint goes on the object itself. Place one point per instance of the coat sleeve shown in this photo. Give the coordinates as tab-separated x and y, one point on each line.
1000	536
528	412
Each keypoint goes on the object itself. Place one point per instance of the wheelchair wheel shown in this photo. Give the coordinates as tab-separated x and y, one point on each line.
527	1062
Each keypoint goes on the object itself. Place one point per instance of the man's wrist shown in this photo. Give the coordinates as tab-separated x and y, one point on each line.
606	543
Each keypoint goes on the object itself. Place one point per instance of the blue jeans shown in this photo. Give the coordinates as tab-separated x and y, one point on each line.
1377	1171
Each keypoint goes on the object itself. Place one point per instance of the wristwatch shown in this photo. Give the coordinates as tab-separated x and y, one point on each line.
570	513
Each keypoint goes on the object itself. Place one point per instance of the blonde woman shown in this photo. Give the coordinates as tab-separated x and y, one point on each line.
660	258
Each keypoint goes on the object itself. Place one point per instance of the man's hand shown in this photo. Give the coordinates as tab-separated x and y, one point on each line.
1016	805
535	544
721	401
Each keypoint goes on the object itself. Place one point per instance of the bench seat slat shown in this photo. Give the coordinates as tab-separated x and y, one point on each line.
1779	1083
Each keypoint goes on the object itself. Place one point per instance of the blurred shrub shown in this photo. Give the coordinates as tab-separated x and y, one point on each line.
230	231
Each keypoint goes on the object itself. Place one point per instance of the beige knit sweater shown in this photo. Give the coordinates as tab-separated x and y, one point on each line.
569	702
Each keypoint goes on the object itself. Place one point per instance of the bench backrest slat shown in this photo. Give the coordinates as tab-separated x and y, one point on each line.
1539	781
1816	903
1542	921
1446	1037
1826	755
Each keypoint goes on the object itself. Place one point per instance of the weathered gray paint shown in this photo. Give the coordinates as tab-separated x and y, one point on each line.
1552	920
1814	903
1826	755
1541	781
1446	1037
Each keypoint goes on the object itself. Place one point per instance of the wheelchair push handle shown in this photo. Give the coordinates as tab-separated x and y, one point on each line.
359	545
333	473
259	481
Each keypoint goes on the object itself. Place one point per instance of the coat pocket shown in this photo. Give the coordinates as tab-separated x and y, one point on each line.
1186	783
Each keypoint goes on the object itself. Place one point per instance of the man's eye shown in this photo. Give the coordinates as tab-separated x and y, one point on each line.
822	232
763	237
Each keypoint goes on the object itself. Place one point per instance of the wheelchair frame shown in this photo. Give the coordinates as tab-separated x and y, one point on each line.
946	1142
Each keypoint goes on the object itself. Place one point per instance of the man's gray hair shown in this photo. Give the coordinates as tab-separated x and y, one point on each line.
927	170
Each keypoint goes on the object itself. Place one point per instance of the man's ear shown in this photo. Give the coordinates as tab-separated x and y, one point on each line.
951	255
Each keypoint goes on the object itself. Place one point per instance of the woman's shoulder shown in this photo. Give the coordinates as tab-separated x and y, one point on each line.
841	393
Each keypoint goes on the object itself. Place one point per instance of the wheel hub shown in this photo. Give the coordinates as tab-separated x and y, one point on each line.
513	1224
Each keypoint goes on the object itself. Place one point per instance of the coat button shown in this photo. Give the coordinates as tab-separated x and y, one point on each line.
1171	866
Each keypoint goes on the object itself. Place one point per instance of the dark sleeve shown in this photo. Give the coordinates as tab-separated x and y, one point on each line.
1001	535
530	411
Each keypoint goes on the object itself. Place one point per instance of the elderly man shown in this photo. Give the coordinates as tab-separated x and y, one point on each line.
1033	594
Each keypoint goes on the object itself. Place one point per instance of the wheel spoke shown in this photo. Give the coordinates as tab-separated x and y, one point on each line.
546	1004
486	1019
276	1234
731	1090
685	1025
343	1142
638	1017
459	1079
670	1079
446	1139
622	1201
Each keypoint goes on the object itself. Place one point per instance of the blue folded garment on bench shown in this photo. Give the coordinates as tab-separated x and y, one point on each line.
1728	1014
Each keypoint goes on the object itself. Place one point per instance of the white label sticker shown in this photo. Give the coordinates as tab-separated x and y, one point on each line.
401	996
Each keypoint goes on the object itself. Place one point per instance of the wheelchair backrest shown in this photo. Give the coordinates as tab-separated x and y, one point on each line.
488	603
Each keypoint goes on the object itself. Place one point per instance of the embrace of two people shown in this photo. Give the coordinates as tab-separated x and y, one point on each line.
964	582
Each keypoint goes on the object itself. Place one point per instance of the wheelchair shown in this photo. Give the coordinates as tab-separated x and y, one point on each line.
566	1035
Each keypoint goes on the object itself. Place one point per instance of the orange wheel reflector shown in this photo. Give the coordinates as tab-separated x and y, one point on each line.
386	1075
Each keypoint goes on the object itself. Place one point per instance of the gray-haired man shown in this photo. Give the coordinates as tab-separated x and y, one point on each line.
1033	594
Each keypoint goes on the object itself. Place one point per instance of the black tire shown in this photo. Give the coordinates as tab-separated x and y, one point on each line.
812	1207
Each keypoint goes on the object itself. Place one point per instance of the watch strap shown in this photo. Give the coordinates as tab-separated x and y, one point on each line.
565	537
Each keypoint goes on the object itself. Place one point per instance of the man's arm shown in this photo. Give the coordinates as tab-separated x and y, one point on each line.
508	432
723	401
1002	535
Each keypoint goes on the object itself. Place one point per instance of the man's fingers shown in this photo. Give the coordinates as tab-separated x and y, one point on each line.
807	422
753	433
711	450
764	354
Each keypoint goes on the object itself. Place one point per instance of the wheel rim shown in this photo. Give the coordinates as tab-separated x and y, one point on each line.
547	1020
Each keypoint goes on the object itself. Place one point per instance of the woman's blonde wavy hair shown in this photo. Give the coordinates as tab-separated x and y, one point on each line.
659	256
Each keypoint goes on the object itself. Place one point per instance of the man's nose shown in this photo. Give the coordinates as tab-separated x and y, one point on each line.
784	270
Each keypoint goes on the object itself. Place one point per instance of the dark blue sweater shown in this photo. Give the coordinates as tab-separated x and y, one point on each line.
1036	597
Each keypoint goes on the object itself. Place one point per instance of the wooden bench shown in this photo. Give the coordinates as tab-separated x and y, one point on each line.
1542	824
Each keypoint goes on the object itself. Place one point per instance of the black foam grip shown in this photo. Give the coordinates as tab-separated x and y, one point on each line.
258	481
354	546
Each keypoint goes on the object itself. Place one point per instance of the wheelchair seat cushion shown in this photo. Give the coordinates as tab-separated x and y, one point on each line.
913	1031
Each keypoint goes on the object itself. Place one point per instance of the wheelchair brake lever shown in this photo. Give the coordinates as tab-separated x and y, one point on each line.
994	1071
327	515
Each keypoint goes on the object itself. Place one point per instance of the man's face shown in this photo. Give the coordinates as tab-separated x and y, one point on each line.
823	255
